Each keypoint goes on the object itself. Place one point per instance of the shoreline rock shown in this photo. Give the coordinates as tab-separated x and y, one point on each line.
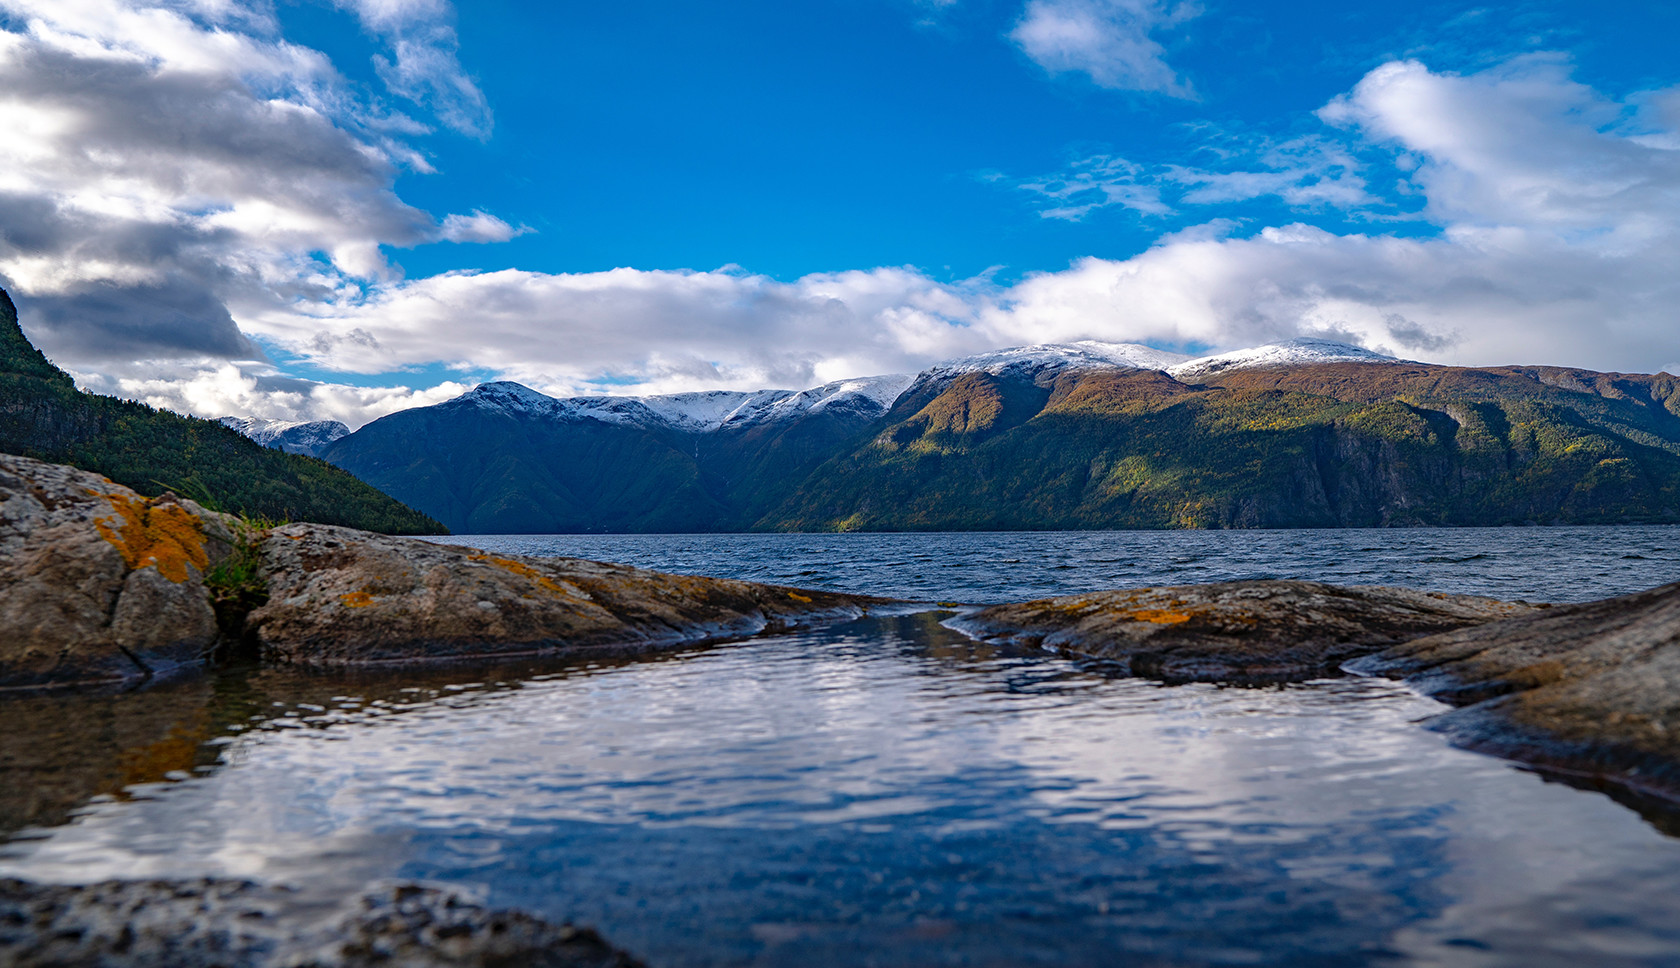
101	586
1241	632
1588	691
238	924
339	597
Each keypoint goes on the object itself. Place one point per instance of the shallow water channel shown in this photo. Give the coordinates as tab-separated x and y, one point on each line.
885	792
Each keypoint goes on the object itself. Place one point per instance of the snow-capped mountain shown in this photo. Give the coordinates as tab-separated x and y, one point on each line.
699	412
1050	358
310	437
712	410
1301	351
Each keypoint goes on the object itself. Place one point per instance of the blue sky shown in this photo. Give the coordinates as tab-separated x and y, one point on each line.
336	209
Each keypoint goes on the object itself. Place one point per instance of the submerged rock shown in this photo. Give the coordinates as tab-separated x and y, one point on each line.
1237	632
342	597
237	924
1591	690
99	584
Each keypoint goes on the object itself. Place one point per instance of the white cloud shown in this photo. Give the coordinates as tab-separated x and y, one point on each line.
172	165
216	388
1305	172
425	66
180	178
1109	40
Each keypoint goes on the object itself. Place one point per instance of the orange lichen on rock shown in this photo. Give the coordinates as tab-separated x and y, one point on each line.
165	536
356	599
800	598
524	571
1157	616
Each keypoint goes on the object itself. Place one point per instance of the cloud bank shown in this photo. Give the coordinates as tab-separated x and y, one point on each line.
190	205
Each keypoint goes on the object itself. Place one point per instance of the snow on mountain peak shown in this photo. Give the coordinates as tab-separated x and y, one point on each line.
698	411
1302	350
293	436
705	411
1055	357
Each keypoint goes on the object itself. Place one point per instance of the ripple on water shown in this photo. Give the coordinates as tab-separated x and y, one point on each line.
885	792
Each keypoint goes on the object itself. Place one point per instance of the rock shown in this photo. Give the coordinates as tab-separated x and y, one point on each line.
99	584
341	597
1591	690
237	924
1236	632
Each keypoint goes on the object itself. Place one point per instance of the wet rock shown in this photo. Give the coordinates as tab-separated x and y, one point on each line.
1236	632
1591	690
339	597
236	924
99	584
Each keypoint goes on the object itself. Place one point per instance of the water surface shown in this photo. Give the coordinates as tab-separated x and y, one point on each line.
885	792
1565	564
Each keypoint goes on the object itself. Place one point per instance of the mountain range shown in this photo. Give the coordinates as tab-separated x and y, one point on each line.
1304	433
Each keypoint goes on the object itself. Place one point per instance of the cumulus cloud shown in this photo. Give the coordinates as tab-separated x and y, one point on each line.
217	388
1110	41
181	186
169	166
1562	261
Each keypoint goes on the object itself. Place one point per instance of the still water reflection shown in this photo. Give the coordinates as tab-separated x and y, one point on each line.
887	793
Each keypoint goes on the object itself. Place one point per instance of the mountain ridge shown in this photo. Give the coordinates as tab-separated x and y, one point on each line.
1307	433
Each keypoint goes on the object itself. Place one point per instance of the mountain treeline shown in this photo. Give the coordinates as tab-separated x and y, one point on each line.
43	415
1310	445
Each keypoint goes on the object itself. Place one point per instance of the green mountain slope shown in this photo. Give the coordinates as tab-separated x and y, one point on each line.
1330	445
43	415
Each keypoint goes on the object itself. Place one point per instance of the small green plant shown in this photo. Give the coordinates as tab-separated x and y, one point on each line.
237	584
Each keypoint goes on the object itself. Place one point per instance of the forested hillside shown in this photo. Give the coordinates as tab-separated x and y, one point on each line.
43	415
1328	445
1308	444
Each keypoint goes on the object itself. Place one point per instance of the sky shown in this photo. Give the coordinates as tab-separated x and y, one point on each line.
335	209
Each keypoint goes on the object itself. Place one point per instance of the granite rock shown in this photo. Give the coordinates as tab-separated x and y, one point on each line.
338	597
99	584
1591	690
1237	632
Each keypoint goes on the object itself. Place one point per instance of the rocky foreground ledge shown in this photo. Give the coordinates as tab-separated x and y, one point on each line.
1591	690
237	924
99	584
1241	632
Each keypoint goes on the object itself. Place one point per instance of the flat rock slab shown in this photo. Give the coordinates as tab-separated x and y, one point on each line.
1244	632
97	583
237	924
1592	689
340	597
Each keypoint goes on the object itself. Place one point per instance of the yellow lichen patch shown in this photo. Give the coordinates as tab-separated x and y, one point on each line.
167	537
356	600
800	598
524	571
1157	616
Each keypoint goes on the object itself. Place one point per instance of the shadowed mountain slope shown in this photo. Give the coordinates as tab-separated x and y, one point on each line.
1056	444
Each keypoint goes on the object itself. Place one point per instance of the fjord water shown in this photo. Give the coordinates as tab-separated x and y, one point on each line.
885	792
